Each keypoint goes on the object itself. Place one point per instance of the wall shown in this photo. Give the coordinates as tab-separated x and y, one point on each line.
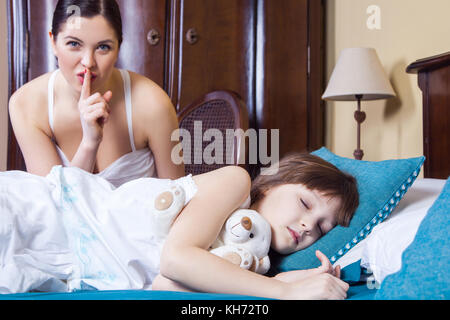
3	86
410	30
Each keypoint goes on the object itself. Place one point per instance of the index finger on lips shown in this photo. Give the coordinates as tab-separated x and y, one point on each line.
86	88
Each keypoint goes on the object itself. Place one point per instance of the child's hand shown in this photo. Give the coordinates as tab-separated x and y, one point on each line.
94	112
317	287
320	283
297	275
326	266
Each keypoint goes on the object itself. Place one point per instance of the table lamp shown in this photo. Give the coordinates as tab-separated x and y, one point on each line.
358	75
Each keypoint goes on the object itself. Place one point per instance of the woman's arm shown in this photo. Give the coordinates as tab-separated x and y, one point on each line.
165	122
35	141
94	113
186	261
158	120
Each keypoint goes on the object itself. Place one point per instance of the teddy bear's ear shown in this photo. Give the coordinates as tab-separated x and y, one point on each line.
164	201
246	222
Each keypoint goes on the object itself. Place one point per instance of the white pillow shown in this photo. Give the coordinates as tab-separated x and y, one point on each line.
381	251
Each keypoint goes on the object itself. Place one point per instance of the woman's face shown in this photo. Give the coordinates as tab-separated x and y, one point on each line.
298	216
86	43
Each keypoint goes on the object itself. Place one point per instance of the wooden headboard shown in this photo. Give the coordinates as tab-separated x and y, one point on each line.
434	81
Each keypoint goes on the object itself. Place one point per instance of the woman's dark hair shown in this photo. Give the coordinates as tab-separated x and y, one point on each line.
109	9
315	174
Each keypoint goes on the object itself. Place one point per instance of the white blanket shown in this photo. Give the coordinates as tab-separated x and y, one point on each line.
74	231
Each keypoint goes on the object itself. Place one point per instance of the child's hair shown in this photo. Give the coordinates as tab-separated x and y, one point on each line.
315	174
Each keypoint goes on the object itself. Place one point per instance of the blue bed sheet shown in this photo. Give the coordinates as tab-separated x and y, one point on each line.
357	291
126	295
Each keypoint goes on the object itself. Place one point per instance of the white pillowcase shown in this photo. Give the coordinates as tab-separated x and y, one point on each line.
381	252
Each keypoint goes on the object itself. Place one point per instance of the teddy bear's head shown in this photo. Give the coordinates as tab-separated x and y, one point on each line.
248	229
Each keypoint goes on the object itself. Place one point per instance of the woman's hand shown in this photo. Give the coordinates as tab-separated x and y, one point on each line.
94	112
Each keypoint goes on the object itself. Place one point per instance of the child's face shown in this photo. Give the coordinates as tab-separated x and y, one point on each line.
298	216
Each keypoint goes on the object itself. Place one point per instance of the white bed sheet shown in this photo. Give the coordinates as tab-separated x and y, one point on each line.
382	250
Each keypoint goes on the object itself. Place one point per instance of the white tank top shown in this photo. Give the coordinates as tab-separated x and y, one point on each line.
133	165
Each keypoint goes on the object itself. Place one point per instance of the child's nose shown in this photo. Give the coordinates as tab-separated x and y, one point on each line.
307	225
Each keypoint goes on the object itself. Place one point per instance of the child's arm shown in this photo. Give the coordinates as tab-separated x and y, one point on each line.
186	261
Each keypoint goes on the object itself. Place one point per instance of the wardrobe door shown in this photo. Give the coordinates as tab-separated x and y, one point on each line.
282	72
144	38
216	49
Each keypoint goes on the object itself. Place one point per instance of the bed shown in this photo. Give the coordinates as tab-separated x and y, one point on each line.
370	267
396	246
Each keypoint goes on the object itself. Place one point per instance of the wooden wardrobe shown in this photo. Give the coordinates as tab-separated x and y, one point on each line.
270	52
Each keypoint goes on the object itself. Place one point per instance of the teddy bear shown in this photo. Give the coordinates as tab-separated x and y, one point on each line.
245	241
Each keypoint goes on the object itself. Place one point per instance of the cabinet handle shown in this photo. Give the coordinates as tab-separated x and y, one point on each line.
192	36
153	37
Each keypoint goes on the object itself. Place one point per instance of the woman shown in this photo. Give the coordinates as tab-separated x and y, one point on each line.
88	114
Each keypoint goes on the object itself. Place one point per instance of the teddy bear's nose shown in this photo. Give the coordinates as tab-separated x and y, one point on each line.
246	222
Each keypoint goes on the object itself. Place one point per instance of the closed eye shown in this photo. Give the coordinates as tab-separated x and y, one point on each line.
320	230
304	204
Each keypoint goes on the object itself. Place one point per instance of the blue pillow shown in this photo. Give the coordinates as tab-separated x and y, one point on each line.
381	185
426	262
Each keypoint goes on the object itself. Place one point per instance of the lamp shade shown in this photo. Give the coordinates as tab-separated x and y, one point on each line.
358	72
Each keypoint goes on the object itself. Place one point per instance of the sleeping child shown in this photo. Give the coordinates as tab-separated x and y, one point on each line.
75	231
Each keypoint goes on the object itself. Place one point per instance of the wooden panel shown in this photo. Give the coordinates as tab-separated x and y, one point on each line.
283	88
434	81
438	119
223	56
136	53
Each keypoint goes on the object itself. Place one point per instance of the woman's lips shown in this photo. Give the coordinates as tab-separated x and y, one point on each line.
80	77
295	235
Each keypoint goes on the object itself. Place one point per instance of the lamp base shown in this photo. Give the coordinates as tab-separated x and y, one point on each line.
358	154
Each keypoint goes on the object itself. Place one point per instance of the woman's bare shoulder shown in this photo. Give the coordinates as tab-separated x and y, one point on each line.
31	99
36	89
149	99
